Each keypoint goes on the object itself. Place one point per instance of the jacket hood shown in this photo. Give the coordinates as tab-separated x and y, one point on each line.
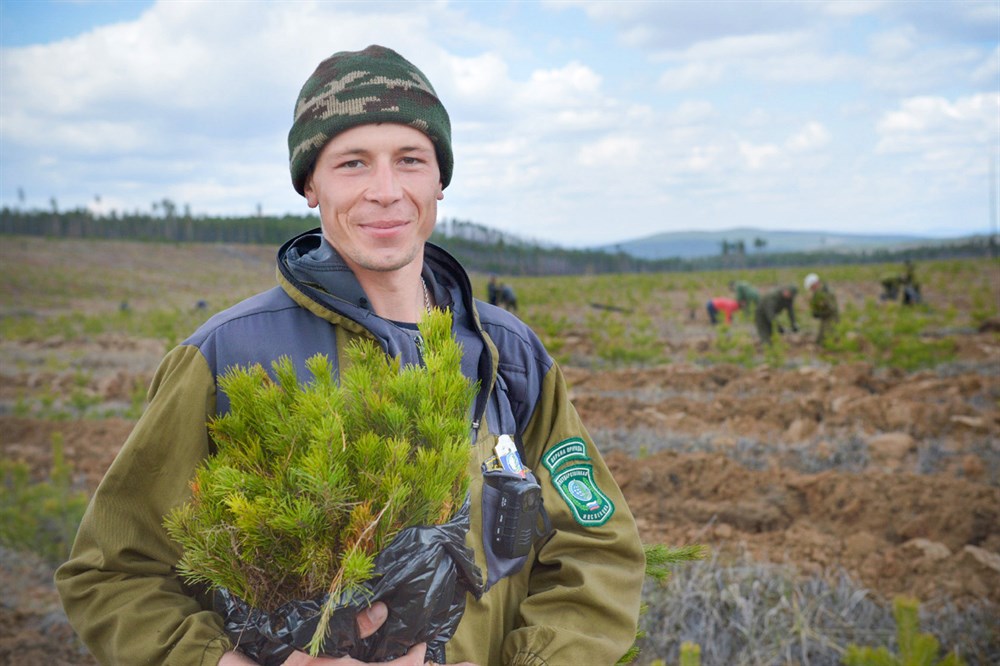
313	273
309	263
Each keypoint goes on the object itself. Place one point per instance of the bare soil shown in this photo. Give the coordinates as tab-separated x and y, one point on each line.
893	477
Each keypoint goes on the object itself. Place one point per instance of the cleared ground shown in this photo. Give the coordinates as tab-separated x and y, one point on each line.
823	462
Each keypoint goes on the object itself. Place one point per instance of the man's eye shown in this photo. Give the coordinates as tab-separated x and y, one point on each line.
351	164
411	161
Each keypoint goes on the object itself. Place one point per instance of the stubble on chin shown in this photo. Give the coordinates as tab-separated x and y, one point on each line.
361	255
377	264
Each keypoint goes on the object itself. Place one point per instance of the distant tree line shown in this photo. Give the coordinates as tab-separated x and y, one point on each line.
740	246
168	227
480	248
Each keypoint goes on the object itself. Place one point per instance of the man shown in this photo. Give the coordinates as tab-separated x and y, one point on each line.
909	283
370	146
771	305
822	305
508	298
721	304
890	287
493	291
499	293
746	295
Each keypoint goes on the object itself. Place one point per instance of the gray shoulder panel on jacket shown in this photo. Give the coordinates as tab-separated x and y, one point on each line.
261	329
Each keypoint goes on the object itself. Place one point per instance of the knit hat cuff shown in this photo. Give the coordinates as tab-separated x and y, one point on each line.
349	89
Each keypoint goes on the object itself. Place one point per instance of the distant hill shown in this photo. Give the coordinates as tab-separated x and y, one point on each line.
695	244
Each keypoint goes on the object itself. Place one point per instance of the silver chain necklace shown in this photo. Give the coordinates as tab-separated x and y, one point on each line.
427	295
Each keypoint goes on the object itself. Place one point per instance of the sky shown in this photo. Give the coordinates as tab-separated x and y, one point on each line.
574	123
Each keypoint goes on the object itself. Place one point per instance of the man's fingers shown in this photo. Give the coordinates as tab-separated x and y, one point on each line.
413	657
370	619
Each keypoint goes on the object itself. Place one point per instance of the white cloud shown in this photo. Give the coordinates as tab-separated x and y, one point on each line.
481	77
704	158
692	112
852	7
923	114
793	57
749	46
811	137
567	86
692	75
613	152
893	44
987	74
757	156
951	138
657	113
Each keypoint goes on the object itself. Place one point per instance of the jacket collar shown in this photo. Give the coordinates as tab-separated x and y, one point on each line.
315	276
311	264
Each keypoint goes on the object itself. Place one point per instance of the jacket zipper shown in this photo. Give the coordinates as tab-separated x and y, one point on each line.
418	341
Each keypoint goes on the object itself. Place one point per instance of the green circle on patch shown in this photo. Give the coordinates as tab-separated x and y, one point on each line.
590	506
580	491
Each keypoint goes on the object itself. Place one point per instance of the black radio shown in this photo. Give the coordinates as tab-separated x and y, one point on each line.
517	517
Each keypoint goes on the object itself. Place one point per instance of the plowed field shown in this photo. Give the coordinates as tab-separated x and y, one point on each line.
890	475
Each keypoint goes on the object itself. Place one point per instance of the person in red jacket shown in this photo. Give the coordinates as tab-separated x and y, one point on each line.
721	304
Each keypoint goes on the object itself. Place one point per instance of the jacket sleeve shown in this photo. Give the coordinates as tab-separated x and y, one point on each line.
119	587
585	586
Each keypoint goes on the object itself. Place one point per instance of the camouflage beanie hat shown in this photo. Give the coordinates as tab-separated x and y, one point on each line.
352	88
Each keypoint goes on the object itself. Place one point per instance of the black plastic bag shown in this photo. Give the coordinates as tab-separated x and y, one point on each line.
422	577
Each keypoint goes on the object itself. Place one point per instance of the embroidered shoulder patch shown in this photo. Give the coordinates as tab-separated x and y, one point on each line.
566	450
590	506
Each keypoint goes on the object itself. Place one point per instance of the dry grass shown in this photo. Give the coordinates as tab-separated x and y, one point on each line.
746	613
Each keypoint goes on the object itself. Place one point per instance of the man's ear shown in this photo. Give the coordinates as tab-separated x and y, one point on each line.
440	192
310	192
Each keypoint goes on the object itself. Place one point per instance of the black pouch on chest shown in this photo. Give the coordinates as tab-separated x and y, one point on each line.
514	517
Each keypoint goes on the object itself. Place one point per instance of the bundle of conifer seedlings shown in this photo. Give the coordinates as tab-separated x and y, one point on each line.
294	519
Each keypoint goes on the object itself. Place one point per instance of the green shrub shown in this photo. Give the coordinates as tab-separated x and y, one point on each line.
984	307
624	339
311	481
660	560
41	517
733	345
915	649
690	654
892	335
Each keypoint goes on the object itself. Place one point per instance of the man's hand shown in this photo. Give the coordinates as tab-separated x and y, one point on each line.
415	657
369	621
372	618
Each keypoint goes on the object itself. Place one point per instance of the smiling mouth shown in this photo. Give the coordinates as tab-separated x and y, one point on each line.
385	228
385	225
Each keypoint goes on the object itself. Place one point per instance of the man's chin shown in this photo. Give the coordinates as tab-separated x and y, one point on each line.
385	263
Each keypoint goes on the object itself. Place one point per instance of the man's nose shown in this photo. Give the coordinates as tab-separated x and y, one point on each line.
384	187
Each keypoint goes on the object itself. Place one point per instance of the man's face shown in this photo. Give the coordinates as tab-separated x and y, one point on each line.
377	188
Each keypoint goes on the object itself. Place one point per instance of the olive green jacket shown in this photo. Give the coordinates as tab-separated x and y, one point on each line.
823	304
746	295
575	600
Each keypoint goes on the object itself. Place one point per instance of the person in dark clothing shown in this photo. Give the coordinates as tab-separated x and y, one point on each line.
906	283
771	305
822	305
911	288
492	290
890	287
746	295
507	299
498	293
